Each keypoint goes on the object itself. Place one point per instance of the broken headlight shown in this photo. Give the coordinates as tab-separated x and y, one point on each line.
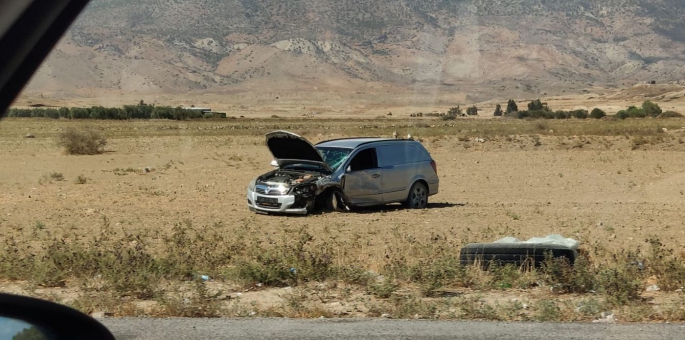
305	190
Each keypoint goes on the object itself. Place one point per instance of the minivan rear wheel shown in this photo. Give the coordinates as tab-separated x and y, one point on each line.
418	196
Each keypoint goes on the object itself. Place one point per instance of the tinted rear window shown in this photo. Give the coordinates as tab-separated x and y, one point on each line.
401	153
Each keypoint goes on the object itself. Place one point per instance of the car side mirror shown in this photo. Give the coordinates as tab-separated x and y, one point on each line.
274	163
349	169
25	317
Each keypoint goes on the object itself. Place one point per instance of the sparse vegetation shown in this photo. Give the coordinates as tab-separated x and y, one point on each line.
597	114
82	142
472	111
498	111
511	106
648	109
452	113
139	111
57	176
81	179
399	269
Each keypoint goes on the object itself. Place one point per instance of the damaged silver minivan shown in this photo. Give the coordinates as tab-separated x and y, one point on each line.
342	174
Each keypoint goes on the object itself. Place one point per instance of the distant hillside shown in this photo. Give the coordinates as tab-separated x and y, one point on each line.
481	48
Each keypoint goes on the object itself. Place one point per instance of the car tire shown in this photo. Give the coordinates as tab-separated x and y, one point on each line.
517	254
334	201
418	196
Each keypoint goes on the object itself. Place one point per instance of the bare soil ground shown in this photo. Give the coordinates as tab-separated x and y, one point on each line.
586	180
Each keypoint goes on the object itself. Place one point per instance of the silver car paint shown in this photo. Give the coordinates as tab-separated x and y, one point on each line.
388	184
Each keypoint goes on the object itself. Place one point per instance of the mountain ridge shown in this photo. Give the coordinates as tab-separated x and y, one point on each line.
482	48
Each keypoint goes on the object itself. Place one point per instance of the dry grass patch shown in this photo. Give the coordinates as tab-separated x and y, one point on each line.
82	142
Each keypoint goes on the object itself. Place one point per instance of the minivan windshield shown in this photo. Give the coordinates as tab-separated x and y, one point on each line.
334	157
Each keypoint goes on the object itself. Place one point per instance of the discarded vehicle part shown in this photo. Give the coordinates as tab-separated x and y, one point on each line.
509	250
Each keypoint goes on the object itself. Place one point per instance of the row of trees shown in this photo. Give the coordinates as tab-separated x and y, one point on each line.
140	111
538	109
455	112
648	109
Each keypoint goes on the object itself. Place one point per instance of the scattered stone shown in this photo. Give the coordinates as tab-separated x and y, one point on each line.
29	135
480	140
606	318
252	313
98	315
149	169
653	288
385	315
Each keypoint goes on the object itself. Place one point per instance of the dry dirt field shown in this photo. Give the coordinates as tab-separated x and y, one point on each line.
617	187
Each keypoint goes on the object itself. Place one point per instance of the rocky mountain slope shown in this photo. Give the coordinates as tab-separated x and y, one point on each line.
481	48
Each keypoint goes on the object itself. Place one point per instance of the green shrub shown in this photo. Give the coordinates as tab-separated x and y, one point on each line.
384	289
566	278
620	283
580	114
537	105
52	113
82	142
597	113
81	179
543	114
472	111
511	106
57	176
651	109
636	112
623	114
454	111
79	113
561	115
520	114
64	112
498	110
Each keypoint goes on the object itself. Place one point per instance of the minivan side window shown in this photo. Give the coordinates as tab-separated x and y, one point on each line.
364	160
399	153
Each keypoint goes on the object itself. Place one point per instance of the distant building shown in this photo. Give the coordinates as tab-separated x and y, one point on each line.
201	109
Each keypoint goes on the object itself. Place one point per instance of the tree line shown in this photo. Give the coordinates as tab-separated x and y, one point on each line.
538	109
140	111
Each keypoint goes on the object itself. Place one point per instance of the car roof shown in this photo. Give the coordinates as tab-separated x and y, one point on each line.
352	143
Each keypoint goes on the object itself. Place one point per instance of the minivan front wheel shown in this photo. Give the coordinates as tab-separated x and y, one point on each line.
418	196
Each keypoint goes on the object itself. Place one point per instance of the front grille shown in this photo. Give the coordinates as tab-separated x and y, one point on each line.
268	191
270	206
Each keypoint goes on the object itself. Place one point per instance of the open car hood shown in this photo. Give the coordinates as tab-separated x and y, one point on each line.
289	148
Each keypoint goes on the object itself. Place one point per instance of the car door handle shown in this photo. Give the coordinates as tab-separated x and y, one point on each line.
376	175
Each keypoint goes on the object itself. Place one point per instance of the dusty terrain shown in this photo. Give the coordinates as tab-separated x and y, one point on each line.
368	103
606	189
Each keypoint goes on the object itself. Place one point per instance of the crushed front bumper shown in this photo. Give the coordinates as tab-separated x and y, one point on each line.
286	204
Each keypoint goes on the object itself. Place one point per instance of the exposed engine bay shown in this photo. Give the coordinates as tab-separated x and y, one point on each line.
289	178
282	182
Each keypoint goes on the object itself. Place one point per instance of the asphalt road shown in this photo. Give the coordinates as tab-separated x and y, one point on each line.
176	328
